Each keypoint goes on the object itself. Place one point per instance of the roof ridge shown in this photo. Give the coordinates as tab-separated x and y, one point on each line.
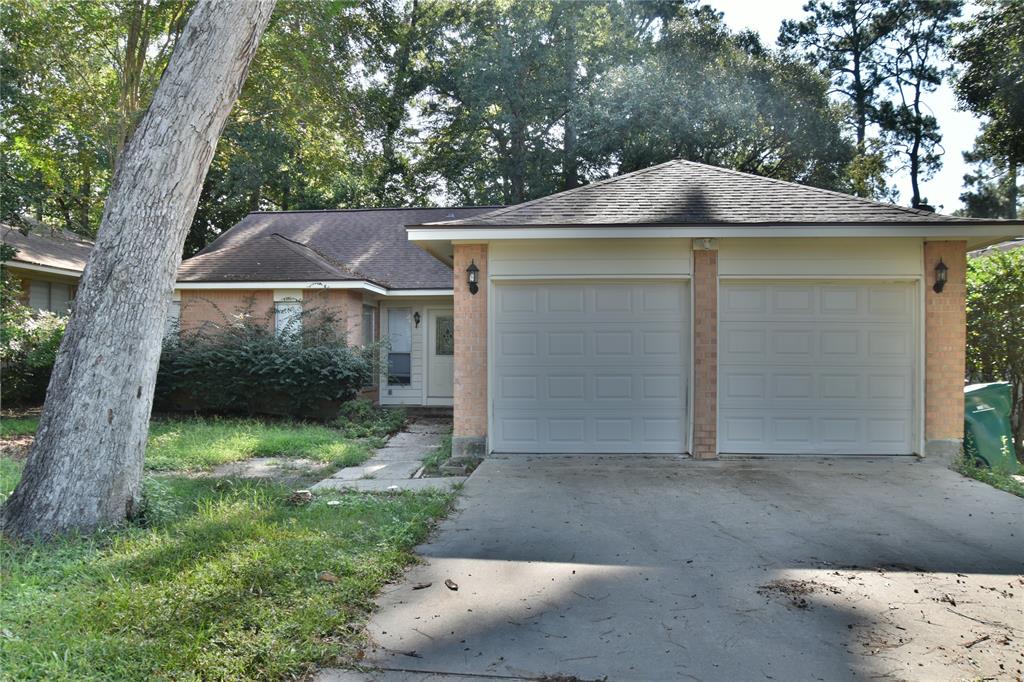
830	192
574	190
314	256
376	208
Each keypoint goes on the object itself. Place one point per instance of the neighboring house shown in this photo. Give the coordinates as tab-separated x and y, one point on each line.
683	308
1001	246
49	263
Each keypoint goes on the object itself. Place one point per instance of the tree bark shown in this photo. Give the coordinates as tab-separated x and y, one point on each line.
85	468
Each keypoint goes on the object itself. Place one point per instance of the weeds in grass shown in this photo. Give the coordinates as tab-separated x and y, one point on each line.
968	467
221	583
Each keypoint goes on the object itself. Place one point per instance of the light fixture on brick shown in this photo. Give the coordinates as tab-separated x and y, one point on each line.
473	277
941	271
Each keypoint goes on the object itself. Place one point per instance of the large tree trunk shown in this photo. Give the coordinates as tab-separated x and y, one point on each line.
85	468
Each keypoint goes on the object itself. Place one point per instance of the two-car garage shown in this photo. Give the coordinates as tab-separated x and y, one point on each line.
805	365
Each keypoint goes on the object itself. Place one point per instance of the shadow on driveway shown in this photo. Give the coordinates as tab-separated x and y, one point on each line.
659	568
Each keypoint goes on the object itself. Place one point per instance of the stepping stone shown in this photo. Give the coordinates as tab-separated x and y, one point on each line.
380	469
441	426
370	485
406	438
408	452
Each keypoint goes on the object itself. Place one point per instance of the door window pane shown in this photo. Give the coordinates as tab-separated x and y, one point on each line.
444	344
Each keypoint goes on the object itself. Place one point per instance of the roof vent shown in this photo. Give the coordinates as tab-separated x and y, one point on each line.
451	214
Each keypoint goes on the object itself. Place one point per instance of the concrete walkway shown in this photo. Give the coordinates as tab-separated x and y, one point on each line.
646	568
397	465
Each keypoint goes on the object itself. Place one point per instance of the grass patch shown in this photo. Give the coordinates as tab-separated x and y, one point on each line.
996	479
438	456
202	443
15	427
220	584
10	474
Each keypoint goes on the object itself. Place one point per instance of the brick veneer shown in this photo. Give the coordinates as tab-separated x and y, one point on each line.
218	306
469	434
945	334
705	353
201	307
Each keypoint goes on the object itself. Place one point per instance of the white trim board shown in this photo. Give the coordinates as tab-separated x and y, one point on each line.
348	284
978	233
48	269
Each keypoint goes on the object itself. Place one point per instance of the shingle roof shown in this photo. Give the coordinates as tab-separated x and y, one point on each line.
332	245
684	192
48	247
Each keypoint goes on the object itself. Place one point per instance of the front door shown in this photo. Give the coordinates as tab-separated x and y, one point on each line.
440	353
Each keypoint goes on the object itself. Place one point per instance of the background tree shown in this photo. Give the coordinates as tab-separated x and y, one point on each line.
76	78
914	64
705	94
845	39
995	326
993	189
85	467
991	50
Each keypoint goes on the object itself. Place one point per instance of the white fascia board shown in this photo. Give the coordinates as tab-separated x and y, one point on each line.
356	284
421	292
48	269
481	234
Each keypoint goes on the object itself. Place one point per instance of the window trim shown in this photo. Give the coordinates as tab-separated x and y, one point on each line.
387	365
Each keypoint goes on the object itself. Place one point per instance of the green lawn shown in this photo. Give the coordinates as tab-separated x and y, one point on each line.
200	443
221	583
11	427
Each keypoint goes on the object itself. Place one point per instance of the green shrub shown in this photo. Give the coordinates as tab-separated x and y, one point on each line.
244	367
28	349
995	326
363	419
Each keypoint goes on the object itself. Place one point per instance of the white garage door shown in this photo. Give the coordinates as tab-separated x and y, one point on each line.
590	368
817	368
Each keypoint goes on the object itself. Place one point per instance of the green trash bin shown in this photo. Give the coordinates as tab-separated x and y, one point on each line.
987	435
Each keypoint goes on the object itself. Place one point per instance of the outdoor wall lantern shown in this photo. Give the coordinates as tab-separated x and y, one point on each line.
940	277
416	319
473	277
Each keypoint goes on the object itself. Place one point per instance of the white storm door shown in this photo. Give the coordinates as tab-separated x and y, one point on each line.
590	367
824	368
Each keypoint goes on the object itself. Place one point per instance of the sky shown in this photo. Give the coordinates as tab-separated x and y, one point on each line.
959	128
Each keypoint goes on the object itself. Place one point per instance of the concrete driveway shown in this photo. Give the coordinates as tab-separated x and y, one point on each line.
656	568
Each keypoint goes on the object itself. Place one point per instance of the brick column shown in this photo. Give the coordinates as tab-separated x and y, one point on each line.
469	436
705	354
945	342
345	304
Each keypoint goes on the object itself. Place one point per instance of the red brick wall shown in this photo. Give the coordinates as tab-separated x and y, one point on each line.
705	353
945	334
220	306
211	306
346	304
470	344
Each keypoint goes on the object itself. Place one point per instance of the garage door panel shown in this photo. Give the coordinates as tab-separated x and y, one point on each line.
599	431
605	369
817	368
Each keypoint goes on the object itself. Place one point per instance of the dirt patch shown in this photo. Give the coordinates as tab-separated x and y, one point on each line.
796	591
16	447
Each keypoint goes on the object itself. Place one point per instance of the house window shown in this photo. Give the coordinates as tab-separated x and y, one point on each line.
400	352
52	296
287	317
369	324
